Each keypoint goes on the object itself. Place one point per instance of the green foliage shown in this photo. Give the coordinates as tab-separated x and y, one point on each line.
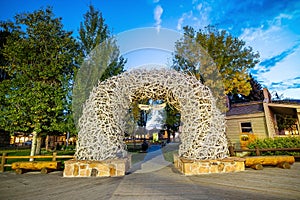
100	58
230	55
172	118
279	142
3	37
256	93
93	31
285	121
41	63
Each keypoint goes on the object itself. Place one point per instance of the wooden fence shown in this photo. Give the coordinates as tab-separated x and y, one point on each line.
258	151
53	157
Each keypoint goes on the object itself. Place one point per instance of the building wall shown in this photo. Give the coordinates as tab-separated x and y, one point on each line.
233	128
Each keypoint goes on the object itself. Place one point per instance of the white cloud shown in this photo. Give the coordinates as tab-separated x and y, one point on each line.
183	17
157	16
285	70
198	17
199	6
271	40
180	22
290	93
155	1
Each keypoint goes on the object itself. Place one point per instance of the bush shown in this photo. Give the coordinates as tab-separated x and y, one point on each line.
280	142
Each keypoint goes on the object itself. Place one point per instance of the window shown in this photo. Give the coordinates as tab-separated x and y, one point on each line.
246	127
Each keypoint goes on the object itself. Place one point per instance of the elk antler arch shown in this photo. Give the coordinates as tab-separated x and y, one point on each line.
101	134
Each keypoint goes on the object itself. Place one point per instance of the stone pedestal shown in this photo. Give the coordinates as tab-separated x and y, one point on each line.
197	167
106	168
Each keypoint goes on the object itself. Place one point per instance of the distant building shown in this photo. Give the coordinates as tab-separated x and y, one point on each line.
262	119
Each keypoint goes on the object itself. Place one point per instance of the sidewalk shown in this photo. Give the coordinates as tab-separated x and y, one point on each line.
153	161
151	182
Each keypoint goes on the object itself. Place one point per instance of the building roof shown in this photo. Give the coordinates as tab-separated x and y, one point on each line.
245	108
287	101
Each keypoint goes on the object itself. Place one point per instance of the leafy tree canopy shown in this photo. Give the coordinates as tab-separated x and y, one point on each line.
3	35
230	55
41	62
256	93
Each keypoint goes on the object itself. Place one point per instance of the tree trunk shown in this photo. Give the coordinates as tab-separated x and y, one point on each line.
47	143
169	135
38	146
67	139
33	145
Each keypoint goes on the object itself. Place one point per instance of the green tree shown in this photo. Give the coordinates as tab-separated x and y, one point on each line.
229	54
172	120
3	74
256	93
3	37
101	57
41	58
285	122
93	31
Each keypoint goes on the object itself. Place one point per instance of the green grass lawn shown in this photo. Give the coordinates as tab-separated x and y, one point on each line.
169	150
137	157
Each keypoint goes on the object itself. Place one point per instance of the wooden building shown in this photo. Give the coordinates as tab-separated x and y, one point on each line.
262	119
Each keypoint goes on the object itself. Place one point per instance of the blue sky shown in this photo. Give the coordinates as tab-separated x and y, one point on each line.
271	27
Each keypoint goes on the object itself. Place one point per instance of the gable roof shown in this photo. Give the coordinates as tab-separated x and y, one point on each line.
287	101
245	108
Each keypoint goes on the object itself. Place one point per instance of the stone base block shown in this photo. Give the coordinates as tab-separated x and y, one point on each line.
197	167
106	168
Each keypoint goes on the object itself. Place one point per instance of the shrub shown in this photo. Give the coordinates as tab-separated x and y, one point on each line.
279	142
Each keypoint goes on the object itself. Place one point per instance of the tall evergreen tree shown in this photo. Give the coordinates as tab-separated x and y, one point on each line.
93	31
256	93
41	62
101	57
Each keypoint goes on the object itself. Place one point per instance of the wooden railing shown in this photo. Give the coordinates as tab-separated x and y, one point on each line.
258	151
53	157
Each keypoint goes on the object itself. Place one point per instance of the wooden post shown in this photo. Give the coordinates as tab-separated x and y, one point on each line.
284	165
257	152
54	156
231	150
257	167
3	160
44	170
19	171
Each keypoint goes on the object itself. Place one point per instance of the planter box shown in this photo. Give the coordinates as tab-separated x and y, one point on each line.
105	168
197	167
